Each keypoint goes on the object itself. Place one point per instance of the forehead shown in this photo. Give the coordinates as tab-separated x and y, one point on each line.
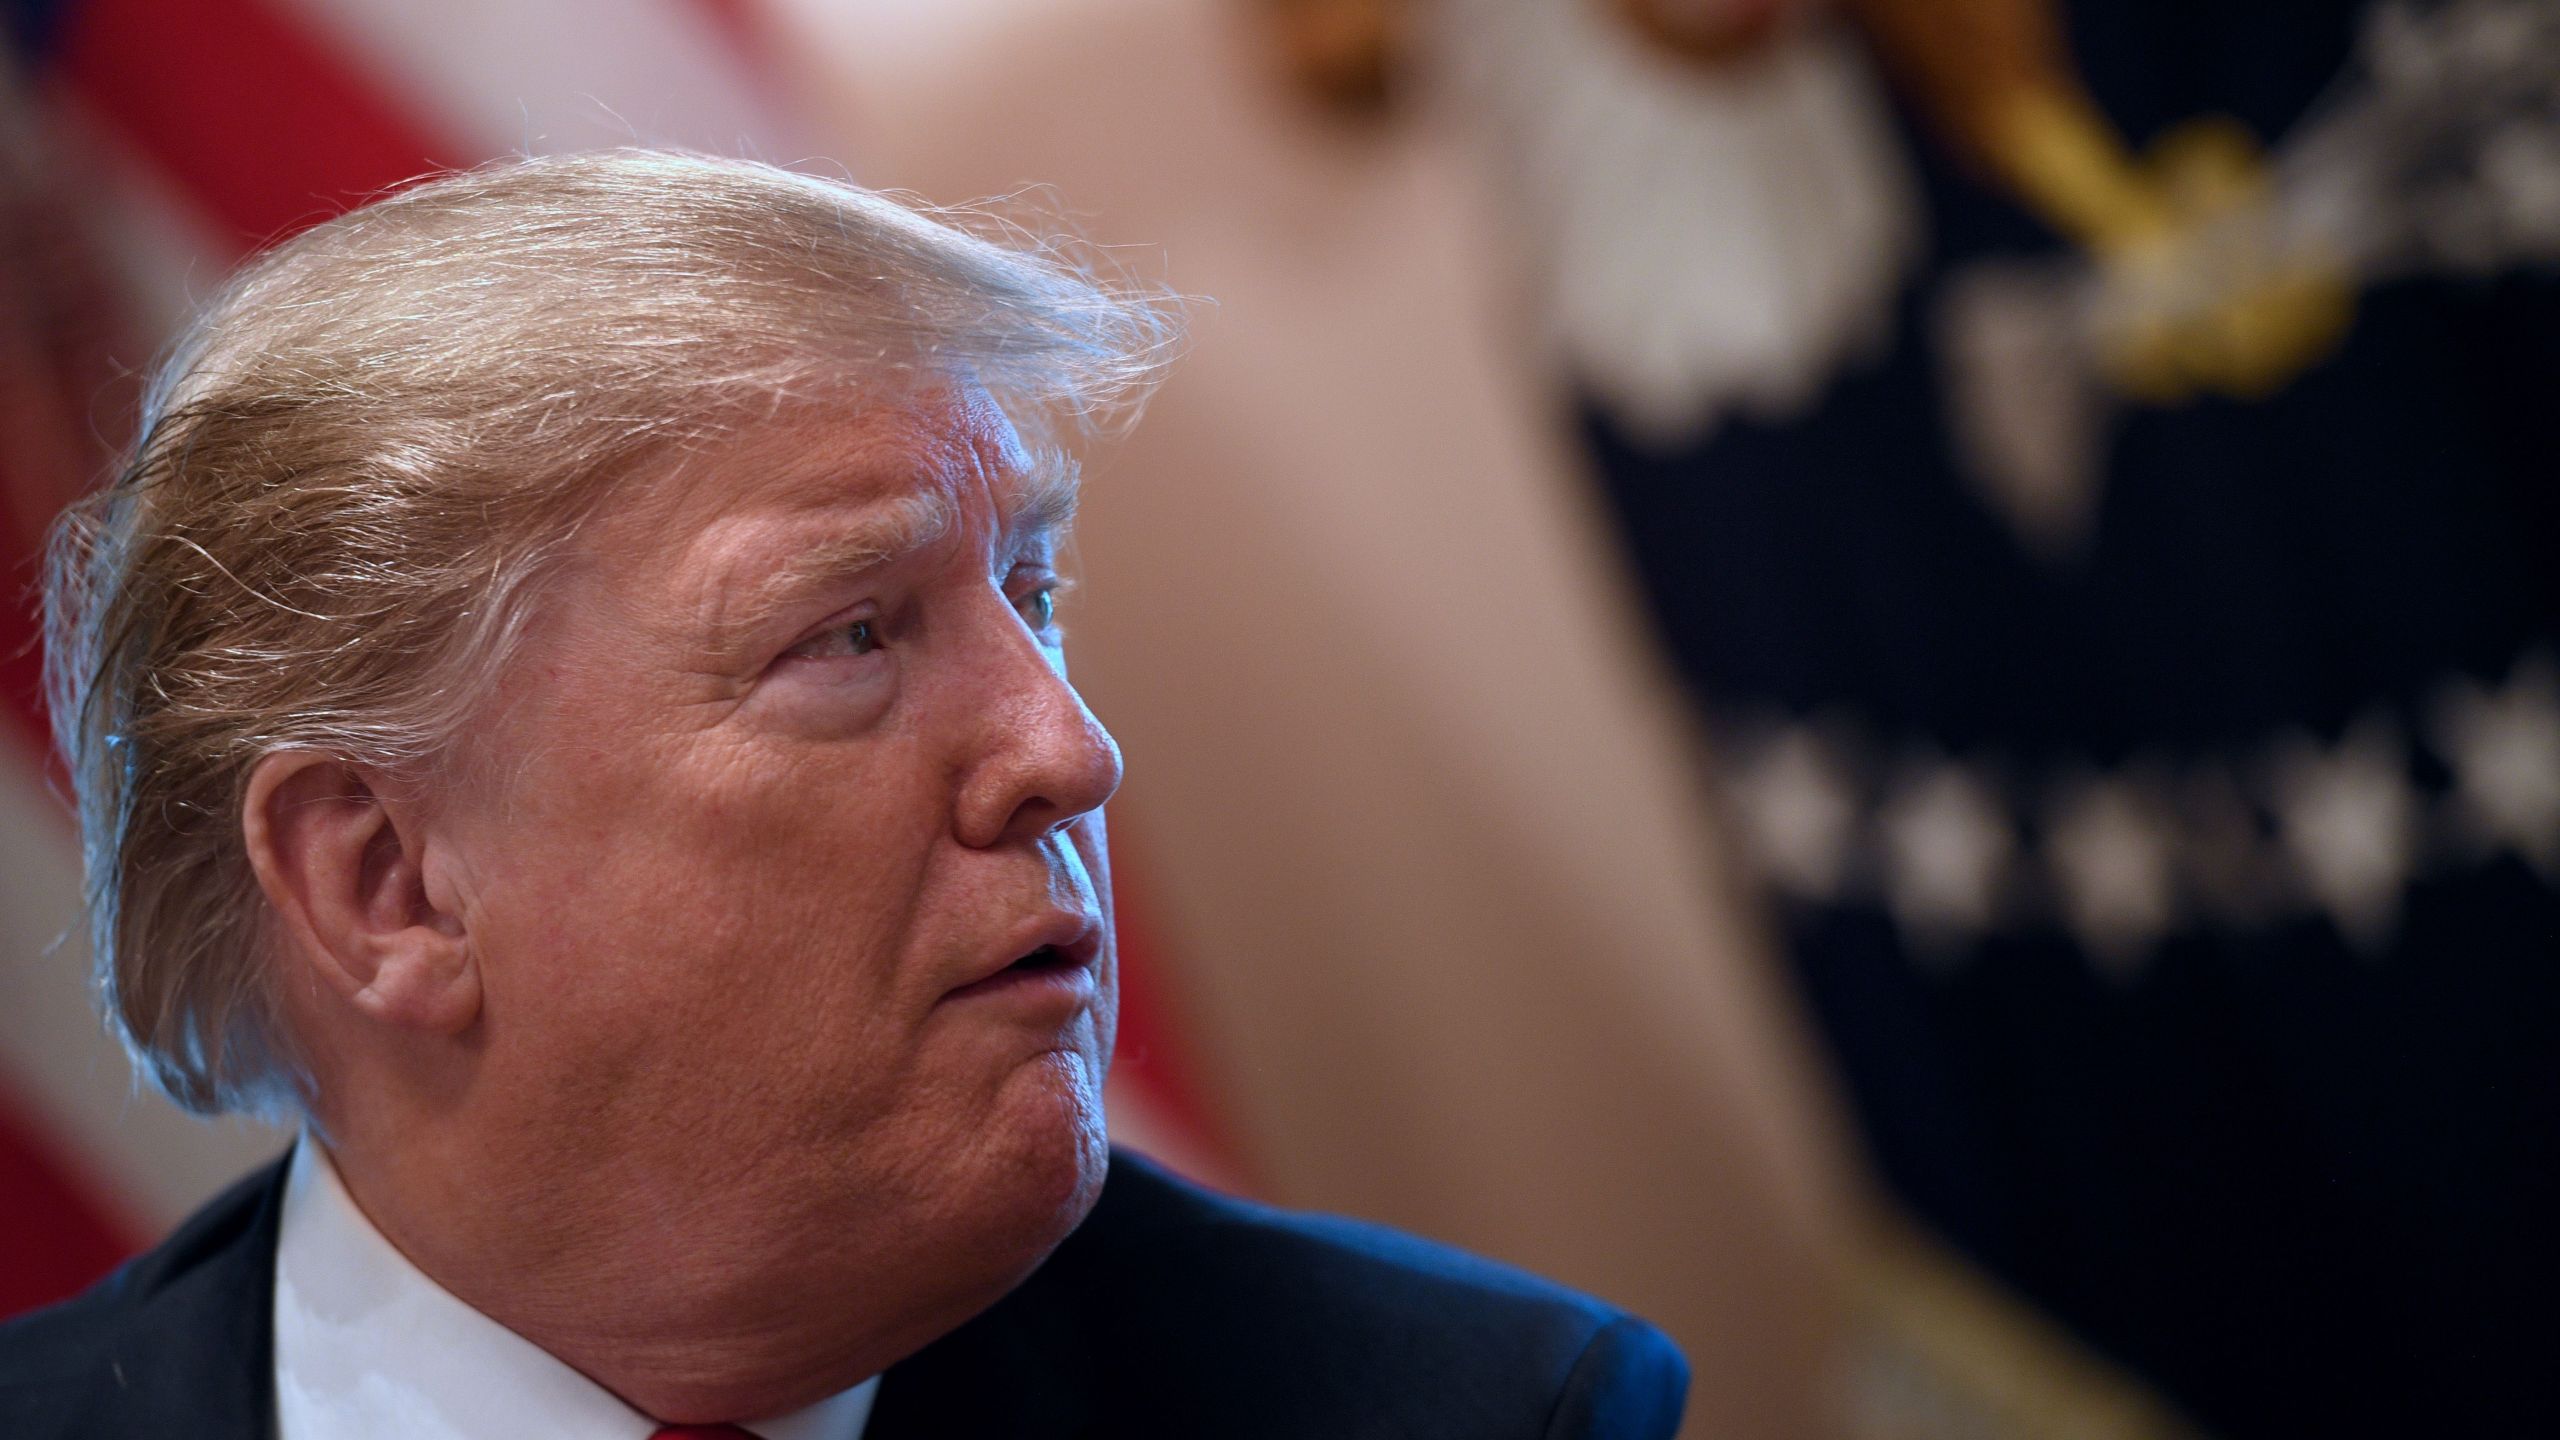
950	448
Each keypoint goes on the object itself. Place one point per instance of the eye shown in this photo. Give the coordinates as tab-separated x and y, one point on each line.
1039	607
852	638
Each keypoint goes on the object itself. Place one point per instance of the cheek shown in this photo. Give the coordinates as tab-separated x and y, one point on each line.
712	892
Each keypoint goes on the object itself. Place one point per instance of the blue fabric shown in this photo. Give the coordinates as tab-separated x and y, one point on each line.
1175	1312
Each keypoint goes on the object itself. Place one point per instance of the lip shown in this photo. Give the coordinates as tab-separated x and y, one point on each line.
1076	941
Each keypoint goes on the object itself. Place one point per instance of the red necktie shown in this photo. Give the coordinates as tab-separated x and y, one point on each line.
701	1432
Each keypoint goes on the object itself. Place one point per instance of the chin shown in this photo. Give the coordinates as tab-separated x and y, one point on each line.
1046	1152
1065	1143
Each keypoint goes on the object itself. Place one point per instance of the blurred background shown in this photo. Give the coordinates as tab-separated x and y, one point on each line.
1879	676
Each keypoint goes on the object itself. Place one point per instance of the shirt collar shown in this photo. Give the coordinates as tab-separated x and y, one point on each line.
368	1345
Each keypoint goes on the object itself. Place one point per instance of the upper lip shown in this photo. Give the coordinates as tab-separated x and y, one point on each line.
1075	936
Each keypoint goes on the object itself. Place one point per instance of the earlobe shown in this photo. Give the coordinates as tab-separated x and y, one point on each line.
345	870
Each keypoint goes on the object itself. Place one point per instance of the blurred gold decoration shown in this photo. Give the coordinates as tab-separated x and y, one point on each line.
2201	294
1707	32
1351	55
2211	297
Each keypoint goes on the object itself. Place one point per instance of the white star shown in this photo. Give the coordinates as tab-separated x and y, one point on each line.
2505	749
1947	851
1792	797
2347	819
2107	840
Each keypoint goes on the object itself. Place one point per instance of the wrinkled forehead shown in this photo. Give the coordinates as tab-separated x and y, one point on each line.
947	456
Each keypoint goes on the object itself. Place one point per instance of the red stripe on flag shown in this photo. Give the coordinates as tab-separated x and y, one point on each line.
21	627
58	1233
260	123
22	663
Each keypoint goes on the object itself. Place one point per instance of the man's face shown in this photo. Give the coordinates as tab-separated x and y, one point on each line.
787	780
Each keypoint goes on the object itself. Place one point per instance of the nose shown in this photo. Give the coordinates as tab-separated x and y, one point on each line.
1043	759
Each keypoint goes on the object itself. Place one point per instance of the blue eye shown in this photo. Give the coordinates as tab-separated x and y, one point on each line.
860	638
1039	607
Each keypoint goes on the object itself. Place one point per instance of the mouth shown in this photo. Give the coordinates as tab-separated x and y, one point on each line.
1063	962
1047	957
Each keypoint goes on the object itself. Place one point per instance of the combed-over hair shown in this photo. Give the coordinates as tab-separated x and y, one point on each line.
354	463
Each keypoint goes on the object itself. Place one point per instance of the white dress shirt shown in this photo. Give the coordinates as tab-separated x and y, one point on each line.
367	1345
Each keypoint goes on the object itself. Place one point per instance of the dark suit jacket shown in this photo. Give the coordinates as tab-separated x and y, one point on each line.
1170	1312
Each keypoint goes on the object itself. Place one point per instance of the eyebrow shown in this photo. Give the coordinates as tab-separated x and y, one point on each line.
891	529
1044	501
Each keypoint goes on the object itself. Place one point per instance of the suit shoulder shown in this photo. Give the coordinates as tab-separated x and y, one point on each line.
203	1287
1300	1303
1160	1222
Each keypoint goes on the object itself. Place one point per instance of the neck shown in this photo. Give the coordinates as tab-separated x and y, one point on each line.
646	1311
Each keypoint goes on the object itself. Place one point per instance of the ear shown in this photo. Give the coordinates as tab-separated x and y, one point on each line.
347	872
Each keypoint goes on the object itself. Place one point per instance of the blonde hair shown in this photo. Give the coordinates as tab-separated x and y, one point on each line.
354	464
